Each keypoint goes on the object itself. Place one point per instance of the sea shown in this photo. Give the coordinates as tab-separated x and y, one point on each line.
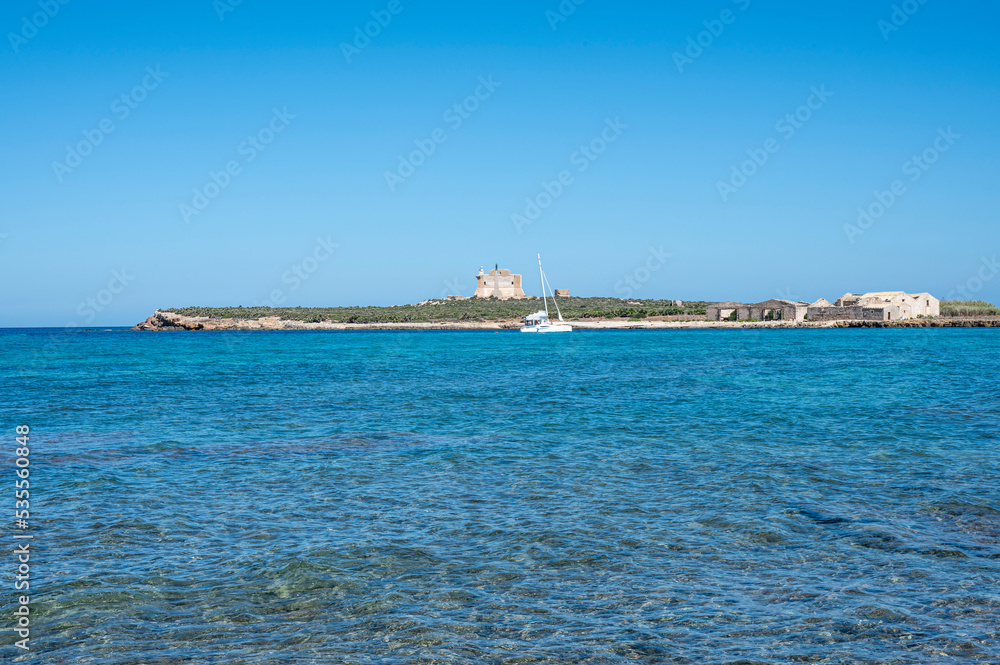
699	496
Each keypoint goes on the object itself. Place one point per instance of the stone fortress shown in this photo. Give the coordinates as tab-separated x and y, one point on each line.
498	283
875	306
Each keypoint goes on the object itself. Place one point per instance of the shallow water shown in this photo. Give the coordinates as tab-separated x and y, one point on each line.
478	497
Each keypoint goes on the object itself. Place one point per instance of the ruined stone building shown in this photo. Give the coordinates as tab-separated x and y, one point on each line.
876	306
499	283
722	311
769	310
774	310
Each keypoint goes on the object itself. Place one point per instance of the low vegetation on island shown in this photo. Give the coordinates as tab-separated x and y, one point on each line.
495	314
968	308
472	309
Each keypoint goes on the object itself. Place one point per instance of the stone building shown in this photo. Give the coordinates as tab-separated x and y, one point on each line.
769	310
910	304
498	283
774	310
721	311
876	306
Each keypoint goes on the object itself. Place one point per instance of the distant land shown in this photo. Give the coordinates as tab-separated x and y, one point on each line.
496	314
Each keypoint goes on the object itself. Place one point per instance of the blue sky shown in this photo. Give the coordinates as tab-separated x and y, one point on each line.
618	99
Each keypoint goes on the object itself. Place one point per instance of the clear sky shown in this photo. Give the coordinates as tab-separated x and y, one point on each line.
223	153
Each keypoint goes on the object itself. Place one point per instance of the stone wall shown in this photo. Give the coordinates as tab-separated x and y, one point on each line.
882	313
834	314
856	313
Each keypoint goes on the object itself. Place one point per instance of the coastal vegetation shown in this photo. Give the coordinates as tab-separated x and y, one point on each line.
968	308
472	309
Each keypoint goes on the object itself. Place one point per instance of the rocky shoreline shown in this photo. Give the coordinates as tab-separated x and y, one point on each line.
167	321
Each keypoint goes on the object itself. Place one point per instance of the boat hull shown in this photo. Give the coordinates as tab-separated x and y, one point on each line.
550	328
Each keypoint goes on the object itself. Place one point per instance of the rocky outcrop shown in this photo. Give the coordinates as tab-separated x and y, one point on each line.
164	321
938	322
170	321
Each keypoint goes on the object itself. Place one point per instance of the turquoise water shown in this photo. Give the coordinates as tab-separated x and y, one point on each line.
476	497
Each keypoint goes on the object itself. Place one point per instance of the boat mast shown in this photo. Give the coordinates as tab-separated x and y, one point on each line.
541	276
554	301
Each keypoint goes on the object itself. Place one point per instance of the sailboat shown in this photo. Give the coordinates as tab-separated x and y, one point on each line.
539	321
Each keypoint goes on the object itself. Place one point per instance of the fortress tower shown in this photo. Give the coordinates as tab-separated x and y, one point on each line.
499	283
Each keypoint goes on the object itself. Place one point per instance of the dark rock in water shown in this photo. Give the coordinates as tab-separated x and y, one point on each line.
819	518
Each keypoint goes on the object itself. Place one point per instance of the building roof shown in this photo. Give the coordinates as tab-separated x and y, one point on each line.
729	304
883	294
776	302
822	302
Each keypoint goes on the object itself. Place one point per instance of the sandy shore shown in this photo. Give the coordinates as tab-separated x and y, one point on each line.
170	321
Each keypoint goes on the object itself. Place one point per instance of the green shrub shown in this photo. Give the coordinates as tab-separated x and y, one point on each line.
969	308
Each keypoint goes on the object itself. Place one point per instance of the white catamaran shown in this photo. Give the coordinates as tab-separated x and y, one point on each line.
539	321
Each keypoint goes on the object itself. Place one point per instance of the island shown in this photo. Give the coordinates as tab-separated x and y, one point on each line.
493	313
